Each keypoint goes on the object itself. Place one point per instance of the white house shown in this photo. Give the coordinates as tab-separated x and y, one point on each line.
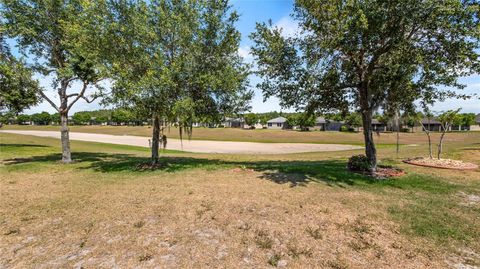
277	123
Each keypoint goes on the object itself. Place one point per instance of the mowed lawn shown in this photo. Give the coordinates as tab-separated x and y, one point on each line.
212	210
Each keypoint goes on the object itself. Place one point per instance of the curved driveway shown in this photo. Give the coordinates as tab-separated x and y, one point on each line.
200	146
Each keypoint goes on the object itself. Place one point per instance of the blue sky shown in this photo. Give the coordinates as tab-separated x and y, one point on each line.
278	11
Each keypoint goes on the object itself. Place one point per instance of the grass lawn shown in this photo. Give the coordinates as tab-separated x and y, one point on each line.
212	210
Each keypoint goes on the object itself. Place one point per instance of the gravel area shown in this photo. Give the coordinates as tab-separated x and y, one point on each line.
199	146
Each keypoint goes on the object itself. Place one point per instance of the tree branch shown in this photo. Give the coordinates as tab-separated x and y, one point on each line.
79	95
48	100
89	101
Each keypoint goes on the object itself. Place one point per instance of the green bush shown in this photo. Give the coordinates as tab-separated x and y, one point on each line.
343	128
358	163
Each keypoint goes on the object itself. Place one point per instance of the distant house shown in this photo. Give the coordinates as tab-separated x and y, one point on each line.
476	126
277	123
431	125
233	123
378	126
323	124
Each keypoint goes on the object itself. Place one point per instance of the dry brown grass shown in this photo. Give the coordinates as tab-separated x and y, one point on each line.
100	214
195	219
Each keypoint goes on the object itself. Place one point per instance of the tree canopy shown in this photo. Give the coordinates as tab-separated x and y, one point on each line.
367	54
66	41
180	62
18	88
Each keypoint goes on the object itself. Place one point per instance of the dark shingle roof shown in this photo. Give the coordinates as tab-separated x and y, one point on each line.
278	120
430	121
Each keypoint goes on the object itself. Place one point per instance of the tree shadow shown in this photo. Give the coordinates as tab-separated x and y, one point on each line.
300	173
22	145
295	173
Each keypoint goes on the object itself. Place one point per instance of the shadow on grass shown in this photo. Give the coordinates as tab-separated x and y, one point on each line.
294	173
22	145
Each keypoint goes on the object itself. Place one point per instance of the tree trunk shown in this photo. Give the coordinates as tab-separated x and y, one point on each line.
66	153
370	149
440	145
155	139
430	146
397	123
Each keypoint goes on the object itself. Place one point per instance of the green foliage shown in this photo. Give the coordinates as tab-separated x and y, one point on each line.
303	120
122	116
23	118
358	163
368	54
70	47
82	117
448	118
353	120
157	72
464	119
344	128
18	89
251	119
42	118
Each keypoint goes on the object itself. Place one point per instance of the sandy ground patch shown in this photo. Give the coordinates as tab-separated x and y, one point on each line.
200	146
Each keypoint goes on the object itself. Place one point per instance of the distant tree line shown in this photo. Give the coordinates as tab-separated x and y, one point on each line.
96	117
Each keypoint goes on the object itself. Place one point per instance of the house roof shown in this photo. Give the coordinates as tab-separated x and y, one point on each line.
278	120
375	121
430	121
321	120
233	119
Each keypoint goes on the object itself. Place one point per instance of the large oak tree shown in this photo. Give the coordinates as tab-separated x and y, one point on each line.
368	53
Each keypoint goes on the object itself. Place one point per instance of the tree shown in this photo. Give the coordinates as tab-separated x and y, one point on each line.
179	62
361	53
293	120
353	120
42	118
464	119
23	118
446	119
419	117
251	119
468	119
120	116
18	89
82	117
66	42
55	118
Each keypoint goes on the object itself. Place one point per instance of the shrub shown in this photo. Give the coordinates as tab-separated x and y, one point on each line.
358	163
344	128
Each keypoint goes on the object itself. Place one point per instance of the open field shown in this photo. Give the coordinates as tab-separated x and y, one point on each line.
261	135
223	210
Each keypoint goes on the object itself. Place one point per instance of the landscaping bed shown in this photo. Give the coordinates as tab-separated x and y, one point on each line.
441	163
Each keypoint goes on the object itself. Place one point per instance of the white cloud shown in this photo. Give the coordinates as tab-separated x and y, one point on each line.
244	52
288	25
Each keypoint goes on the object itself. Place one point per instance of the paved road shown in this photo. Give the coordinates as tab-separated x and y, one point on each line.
200	146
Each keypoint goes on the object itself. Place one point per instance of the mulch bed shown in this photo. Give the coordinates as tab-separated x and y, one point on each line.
441	163
383	172
150	166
